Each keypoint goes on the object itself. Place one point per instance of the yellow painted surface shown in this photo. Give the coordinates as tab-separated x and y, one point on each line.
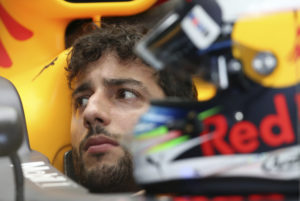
278	33
205	90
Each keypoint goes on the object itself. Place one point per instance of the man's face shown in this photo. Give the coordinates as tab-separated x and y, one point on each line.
108	99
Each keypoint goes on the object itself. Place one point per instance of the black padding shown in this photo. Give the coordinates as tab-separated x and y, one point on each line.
11	136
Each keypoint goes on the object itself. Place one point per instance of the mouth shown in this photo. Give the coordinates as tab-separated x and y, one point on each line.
99	144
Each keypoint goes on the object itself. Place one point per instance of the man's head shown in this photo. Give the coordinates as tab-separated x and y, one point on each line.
111	89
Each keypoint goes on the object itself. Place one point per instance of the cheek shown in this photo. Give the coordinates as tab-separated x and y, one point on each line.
128	120
77	131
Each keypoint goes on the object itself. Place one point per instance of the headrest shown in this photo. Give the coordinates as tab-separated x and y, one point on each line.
9	98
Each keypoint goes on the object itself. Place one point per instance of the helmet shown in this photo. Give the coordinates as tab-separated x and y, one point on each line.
243	139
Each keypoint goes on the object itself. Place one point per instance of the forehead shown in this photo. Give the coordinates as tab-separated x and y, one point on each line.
110	67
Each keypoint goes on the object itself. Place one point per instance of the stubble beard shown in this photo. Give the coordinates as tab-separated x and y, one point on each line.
105	178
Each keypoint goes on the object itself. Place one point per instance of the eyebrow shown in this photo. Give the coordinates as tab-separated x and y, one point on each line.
125	81
111	82
117	82
83	87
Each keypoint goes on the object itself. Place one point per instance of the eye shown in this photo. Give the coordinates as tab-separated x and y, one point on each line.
127	94
81	102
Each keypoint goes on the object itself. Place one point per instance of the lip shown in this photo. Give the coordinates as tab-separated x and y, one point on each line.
99	144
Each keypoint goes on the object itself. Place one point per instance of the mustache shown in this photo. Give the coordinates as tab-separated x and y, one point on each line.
94	131
99	130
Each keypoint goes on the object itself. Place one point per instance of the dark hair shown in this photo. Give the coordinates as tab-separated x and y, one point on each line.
121	39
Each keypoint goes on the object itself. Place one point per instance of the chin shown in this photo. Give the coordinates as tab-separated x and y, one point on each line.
108	158
109	175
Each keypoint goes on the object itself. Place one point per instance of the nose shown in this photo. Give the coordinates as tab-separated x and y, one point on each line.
97	111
